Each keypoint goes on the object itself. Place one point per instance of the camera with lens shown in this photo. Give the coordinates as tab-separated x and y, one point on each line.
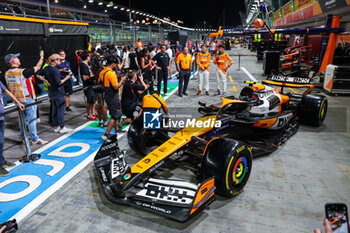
139	73
74	79
11	226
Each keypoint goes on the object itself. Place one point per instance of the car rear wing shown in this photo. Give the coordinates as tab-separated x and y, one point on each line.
295	82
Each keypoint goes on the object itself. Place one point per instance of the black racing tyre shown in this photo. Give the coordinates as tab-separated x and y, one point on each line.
313	110
143	141
230	162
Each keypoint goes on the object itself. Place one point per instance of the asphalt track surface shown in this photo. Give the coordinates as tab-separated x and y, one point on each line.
286	191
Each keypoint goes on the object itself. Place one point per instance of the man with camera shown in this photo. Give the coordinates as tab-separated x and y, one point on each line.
112	91
88	83
131	92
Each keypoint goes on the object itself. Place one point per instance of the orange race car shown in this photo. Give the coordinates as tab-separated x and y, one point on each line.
238	129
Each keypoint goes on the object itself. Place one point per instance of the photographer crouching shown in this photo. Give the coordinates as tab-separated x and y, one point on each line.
133	88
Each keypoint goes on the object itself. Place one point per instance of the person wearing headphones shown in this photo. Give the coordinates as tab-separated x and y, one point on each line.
221	60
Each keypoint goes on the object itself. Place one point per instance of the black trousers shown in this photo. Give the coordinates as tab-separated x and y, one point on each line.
162	76
184	78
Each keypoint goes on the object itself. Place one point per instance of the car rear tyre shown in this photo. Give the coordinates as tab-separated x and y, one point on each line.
230	162
313	110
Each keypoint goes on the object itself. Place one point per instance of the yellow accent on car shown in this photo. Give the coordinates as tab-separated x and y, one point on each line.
240	149
227	172
180	139
267	123
226	101
258	87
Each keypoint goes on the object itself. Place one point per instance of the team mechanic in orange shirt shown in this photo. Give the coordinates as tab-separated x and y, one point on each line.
220	60
184	66
112	88
203	62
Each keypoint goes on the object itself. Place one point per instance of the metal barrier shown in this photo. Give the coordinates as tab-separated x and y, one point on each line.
29	156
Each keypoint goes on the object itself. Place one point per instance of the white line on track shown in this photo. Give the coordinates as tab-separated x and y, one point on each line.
25	211
248	74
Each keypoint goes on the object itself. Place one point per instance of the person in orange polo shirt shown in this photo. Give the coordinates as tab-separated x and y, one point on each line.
184	66
112	89
139	43
203	62
221	60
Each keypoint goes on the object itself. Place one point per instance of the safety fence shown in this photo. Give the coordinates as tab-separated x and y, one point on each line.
117	32
23	125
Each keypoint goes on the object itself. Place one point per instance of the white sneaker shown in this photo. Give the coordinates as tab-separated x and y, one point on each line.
40	142
57	129
65	130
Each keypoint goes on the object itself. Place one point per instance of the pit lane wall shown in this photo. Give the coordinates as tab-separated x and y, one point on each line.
298	10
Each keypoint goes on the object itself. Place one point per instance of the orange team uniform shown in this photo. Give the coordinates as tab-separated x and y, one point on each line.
108	78
203	61
184	62
139	43
221	61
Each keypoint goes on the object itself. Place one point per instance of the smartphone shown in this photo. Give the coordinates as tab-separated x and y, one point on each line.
337	215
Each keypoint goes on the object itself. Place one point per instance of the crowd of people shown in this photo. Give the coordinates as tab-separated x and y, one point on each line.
119	81
114	80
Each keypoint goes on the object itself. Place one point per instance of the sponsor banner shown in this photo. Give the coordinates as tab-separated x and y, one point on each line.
8	27
304	13
277	15
287	10
307	8
62	29
329	5
300	4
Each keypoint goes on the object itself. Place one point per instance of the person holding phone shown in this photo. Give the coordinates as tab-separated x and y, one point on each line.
337	220
16	81
64	68
327	227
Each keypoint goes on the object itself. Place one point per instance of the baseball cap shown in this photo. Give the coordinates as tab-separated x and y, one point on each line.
9	57
54	57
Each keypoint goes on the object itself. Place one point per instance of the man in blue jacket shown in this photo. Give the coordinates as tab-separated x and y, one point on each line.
56	92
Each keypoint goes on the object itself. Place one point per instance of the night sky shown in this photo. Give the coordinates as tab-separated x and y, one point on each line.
193	13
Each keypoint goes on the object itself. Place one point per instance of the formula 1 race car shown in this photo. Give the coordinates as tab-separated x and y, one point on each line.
255	123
